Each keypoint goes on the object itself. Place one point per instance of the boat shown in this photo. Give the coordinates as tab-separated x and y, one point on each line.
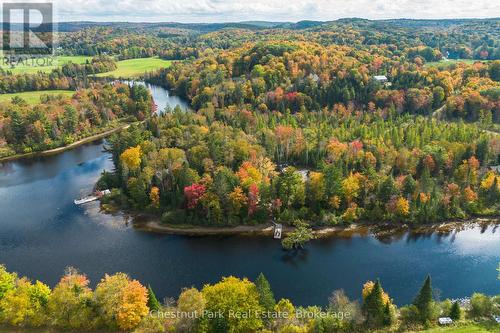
97	195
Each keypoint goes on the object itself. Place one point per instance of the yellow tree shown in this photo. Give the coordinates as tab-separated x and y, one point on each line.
336	149
131	158
238	199
266	168
286	313
134	305
122	302
154	196
402	207
69	303
399	206
316	187
351	186
191	303
26	304
488	180
233	295
7	281
249	174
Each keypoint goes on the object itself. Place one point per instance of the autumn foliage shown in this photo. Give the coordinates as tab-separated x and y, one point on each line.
193	193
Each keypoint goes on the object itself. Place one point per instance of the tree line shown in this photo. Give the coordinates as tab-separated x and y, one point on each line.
69	76
426	39
120	303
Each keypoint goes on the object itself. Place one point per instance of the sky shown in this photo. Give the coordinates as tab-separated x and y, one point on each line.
268	10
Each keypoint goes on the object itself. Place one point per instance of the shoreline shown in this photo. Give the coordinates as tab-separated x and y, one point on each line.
58	150
385	229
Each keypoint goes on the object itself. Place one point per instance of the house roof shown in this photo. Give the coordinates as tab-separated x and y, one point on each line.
380	77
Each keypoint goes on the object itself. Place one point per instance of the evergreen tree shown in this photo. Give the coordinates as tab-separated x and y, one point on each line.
373	306
387	318
266	296
387	189
455	311
409	185
426	181
18	127
423	301
153	303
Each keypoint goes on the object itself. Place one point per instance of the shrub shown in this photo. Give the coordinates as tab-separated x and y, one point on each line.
481	305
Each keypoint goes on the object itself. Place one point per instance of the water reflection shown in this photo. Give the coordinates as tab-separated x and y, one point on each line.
162	97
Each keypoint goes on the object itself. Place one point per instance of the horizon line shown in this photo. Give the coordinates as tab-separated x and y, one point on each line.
277	21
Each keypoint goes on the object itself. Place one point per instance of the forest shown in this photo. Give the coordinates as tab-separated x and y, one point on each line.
58	121
120	303
242	167
311	124
328	123
457	39
298	131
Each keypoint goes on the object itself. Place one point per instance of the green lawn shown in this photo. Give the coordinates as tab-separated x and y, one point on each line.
468	328
136	67
33	97
126	68
451	61
45	66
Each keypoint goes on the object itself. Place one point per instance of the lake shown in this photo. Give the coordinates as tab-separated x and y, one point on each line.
42	232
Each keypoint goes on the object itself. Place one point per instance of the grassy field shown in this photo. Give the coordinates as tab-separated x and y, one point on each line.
33	97
130	68
136	67
469	328
451	61
45	66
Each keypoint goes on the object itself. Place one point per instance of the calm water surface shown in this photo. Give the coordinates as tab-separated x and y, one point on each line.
42	232
162	97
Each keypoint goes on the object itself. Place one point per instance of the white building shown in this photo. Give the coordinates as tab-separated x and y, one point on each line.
445	321
381	78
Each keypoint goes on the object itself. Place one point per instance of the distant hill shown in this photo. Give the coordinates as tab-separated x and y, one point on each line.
258	25
198	27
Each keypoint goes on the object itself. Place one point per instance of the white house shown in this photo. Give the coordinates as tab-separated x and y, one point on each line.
381	78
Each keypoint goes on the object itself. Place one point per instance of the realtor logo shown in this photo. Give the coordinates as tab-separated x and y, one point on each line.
27	28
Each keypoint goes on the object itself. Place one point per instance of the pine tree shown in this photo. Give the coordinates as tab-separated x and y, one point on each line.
423	301
387	319
455	311
266	296
387	189
373	306
409	185
153	303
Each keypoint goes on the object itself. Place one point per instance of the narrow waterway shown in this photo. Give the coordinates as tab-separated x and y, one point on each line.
42	232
